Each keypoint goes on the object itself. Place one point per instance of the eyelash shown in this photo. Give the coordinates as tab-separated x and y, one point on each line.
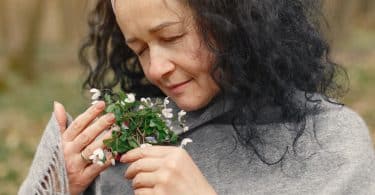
167	40
171	39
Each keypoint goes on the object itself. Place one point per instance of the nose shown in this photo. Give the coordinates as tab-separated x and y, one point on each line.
160	64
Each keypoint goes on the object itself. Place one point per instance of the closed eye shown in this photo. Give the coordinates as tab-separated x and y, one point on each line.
171	39
167	40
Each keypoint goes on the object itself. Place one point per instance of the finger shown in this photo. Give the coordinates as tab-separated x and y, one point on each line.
144	180
144	191
89	150
152	151
92	131
143	165
60	115
83	120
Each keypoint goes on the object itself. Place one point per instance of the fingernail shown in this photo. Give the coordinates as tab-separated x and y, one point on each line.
110	117
123	158
99	105
55	103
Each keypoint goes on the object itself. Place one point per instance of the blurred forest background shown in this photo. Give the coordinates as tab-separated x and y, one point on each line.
39	40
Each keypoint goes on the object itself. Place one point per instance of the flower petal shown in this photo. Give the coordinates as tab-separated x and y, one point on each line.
130	98
185	141
94	90
151	140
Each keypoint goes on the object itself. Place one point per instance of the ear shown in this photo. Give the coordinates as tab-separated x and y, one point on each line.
60	115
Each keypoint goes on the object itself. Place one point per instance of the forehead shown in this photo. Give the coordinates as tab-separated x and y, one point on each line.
134	14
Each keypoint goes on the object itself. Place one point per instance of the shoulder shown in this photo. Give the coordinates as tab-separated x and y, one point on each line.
340	128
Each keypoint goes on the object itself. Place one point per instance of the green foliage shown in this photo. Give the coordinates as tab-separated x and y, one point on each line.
137	122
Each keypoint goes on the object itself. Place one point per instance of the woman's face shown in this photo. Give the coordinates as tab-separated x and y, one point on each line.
172	54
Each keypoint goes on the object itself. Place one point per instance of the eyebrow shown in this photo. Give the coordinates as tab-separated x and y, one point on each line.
154	30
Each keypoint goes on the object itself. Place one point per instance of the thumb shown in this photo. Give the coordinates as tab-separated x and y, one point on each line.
60	115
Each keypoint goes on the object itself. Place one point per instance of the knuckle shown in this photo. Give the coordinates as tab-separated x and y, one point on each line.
142	152
171	164
105	122
76	125
92	111
165	177
136	182
70	167
137	167
84	139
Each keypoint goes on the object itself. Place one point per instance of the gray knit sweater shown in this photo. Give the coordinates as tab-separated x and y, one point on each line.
333	156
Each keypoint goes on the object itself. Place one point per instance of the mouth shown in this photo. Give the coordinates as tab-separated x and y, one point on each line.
178	88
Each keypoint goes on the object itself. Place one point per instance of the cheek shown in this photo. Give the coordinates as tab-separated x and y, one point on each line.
203	59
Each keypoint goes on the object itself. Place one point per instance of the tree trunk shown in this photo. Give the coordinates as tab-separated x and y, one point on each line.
3	42
22	60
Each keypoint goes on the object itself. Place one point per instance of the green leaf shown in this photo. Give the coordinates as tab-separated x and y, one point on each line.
108	99
152	123
110	108
174	138
132	143
108	142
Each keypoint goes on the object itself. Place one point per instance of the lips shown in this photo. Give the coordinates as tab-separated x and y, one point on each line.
176	88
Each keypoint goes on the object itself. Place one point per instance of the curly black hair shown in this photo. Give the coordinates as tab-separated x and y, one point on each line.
266	51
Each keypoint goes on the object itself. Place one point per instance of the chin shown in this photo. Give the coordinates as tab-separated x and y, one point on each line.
189	104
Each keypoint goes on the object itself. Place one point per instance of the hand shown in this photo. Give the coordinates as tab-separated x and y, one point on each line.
164	170
80	137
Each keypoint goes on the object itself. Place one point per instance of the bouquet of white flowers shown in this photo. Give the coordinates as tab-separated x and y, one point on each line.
137	122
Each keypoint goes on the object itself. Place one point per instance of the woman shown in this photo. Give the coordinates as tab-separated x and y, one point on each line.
258	84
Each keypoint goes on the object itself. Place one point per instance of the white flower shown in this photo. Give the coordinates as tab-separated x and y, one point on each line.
130	98
141	107
144	100
168	122
145	145
99	153
166	101
185	141
96	94
151	140
147	101
186	128
115	128
181	114
98	156
167	112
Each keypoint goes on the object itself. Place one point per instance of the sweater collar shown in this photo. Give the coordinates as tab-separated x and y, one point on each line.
218	106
